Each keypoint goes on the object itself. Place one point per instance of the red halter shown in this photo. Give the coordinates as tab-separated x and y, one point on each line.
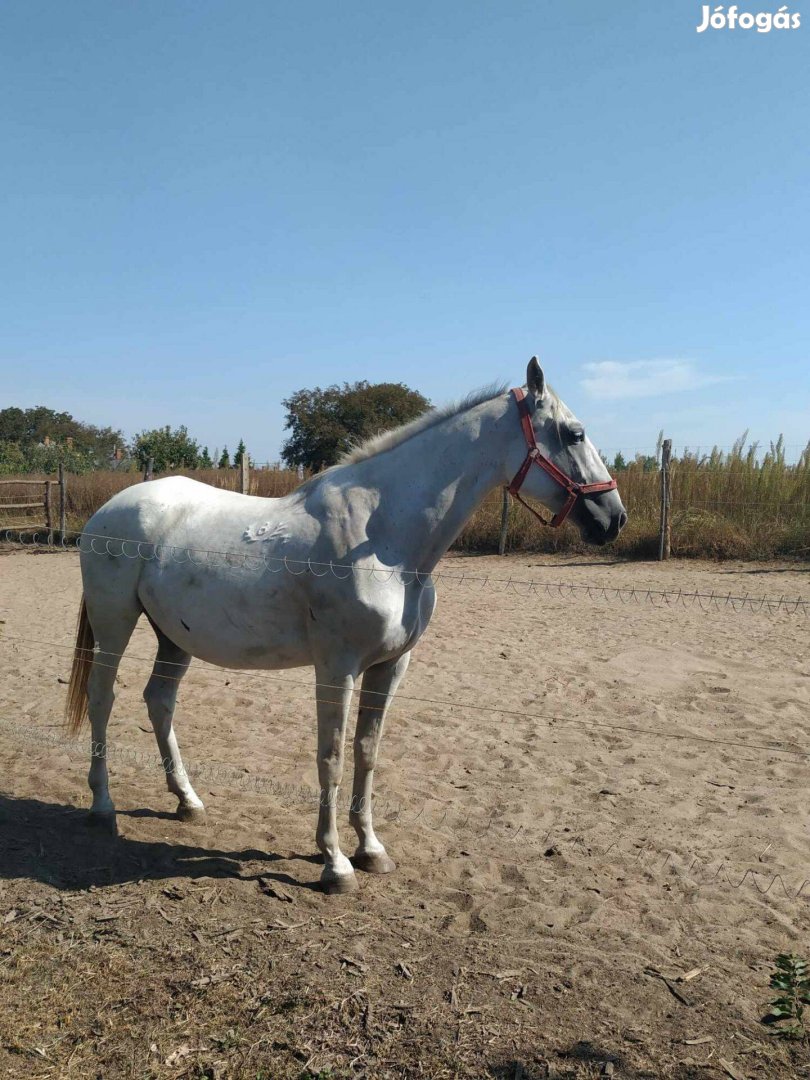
573	489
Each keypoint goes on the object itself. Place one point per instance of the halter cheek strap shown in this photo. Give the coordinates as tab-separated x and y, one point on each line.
534	457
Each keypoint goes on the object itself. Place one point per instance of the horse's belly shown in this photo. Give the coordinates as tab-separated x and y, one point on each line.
234	619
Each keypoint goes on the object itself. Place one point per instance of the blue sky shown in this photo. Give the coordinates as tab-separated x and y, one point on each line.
207	206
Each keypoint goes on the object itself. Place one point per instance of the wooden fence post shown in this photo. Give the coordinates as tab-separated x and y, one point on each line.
62	503
244	474
149	468
504	522
48	511
665	534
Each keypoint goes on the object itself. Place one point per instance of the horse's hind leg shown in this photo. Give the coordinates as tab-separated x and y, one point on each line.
160	695
379	685
111	636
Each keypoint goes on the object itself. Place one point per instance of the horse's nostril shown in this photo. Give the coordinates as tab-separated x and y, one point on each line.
622	519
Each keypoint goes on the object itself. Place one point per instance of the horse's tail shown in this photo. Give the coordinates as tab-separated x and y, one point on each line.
76	707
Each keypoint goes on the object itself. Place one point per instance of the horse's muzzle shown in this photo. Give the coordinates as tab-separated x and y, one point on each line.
599	532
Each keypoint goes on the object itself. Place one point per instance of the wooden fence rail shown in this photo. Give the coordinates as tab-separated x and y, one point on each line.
46	503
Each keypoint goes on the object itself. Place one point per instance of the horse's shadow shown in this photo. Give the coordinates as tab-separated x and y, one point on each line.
52	844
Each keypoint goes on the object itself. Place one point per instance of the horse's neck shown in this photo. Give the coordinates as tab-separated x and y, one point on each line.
431	484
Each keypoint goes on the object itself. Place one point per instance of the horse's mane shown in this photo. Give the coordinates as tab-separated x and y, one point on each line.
387	440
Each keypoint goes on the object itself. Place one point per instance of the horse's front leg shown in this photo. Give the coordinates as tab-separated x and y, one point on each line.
334	697
379	685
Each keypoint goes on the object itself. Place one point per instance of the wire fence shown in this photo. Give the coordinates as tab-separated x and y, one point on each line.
458	819
257	564
330	694
120	547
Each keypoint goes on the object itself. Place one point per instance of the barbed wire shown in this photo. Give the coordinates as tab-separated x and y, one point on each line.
721	873
512	714
647	851
669	598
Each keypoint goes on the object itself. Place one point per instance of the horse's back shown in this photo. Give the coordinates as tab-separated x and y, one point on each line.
165	494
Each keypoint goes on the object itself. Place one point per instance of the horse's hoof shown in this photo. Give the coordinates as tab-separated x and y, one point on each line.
104	823
341	883
192	815
374	862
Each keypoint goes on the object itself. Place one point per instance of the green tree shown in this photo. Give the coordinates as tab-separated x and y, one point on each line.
648	462
325	423
13	458
44	438
240	452
224	460
619	462
205	461
169	449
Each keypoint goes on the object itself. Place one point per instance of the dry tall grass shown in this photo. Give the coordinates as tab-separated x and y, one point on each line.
734	505
86	492
725	506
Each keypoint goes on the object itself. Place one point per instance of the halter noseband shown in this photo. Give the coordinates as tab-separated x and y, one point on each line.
534	456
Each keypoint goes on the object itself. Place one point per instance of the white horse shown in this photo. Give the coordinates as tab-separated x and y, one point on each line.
317	577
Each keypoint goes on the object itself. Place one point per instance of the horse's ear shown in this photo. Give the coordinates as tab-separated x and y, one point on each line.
535	379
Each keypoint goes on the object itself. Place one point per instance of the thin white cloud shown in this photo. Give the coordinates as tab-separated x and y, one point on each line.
615	379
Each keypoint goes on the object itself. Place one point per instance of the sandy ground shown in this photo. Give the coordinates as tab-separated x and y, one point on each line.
581	796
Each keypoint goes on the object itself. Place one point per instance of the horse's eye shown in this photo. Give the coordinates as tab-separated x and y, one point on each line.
577	435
